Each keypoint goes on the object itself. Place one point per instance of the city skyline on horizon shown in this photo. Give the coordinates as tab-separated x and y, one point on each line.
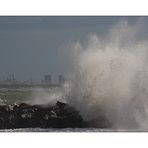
13	78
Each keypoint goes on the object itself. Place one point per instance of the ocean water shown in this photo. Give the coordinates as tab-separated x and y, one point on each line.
71	130
53	130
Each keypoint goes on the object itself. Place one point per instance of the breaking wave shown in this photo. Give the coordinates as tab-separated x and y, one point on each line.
111	77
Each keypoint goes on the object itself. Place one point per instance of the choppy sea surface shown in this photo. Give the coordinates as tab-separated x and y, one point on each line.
70	130
53	130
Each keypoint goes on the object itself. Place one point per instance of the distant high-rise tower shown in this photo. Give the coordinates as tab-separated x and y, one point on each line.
47	79
13	77
9	78
61	79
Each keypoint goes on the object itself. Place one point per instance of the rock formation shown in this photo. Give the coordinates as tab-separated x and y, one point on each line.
60	115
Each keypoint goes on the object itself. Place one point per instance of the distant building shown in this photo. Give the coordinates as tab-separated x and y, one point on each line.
61	79
47	79
10	78
13	77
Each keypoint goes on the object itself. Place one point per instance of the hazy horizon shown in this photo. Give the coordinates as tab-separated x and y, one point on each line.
31	47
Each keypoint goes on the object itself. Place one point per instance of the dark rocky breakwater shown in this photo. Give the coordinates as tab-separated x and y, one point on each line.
60	115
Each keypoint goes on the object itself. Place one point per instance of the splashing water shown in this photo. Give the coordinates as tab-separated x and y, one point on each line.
45	96
111	77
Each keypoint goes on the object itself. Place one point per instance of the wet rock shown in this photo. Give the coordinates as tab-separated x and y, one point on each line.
24	115
60	115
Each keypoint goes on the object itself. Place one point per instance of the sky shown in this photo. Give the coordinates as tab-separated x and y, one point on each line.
31	47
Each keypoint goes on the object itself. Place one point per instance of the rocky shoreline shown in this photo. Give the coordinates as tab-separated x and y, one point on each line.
60	115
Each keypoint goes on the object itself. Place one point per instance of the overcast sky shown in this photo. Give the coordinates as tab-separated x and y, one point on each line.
35	46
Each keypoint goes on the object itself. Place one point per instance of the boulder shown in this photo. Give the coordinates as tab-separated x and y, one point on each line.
24	115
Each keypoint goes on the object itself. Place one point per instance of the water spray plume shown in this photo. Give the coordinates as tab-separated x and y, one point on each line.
111	77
